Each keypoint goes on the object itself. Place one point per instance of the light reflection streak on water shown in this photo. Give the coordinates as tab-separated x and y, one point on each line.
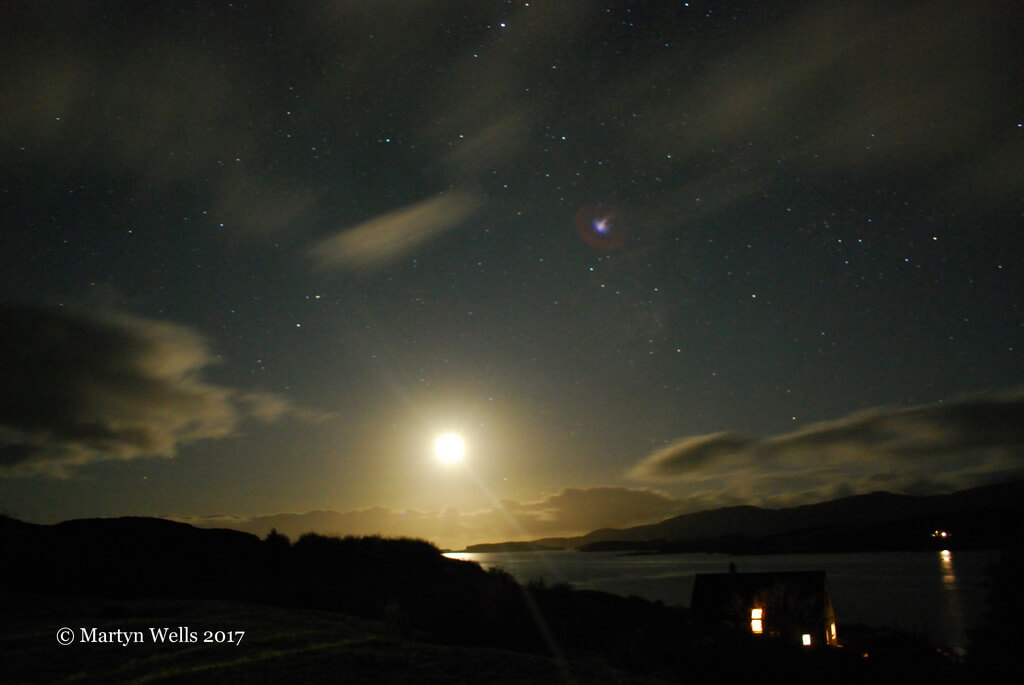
954	609
948	572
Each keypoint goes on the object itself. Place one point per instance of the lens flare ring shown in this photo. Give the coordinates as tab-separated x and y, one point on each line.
601	226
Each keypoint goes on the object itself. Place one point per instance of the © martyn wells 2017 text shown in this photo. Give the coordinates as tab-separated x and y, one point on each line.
165	635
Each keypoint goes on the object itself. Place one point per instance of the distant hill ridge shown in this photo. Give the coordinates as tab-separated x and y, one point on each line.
981	517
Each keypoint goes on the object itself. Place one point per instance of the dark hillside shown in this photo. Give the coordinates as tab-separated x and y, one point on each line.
128	557
408	584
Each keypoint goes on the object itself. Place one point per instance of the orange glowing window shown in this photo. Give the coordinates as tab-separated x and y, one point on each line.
756	624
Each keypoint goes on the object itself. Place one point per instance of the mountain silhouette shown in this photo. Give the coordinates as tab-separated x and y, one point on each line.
983	517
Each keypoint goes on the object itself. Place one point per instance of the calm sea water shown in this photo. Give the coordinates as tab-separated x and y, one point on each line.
938	594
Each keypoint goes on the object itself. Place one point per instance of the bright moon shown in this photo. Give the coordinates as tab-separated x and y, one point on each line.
450	448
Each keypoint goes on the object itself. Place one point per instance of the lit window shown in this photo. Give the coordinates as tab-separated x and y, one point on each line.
806	639
832	629
756	616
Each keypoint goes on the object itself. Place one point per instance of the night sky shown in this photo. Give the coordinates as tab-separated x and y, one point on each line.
644	257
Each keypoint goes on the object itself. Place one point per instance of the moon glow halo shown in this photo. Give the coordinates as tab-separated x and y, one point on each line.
450	448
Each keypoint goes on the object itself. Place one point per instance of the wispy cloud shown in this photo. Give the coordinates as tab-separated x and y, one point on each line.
828	90
80	387
390	236
835	88
926	448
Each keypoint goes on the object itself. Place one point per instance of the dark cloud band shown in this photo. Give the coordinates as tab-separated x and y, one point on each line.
942	445
82	387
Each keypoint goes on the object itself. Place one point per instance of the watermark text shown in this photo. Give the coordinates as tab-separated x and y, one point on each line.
182	635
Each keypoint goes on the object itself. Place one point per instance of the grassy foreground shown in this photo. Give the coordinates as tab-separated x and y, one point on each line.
280	645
